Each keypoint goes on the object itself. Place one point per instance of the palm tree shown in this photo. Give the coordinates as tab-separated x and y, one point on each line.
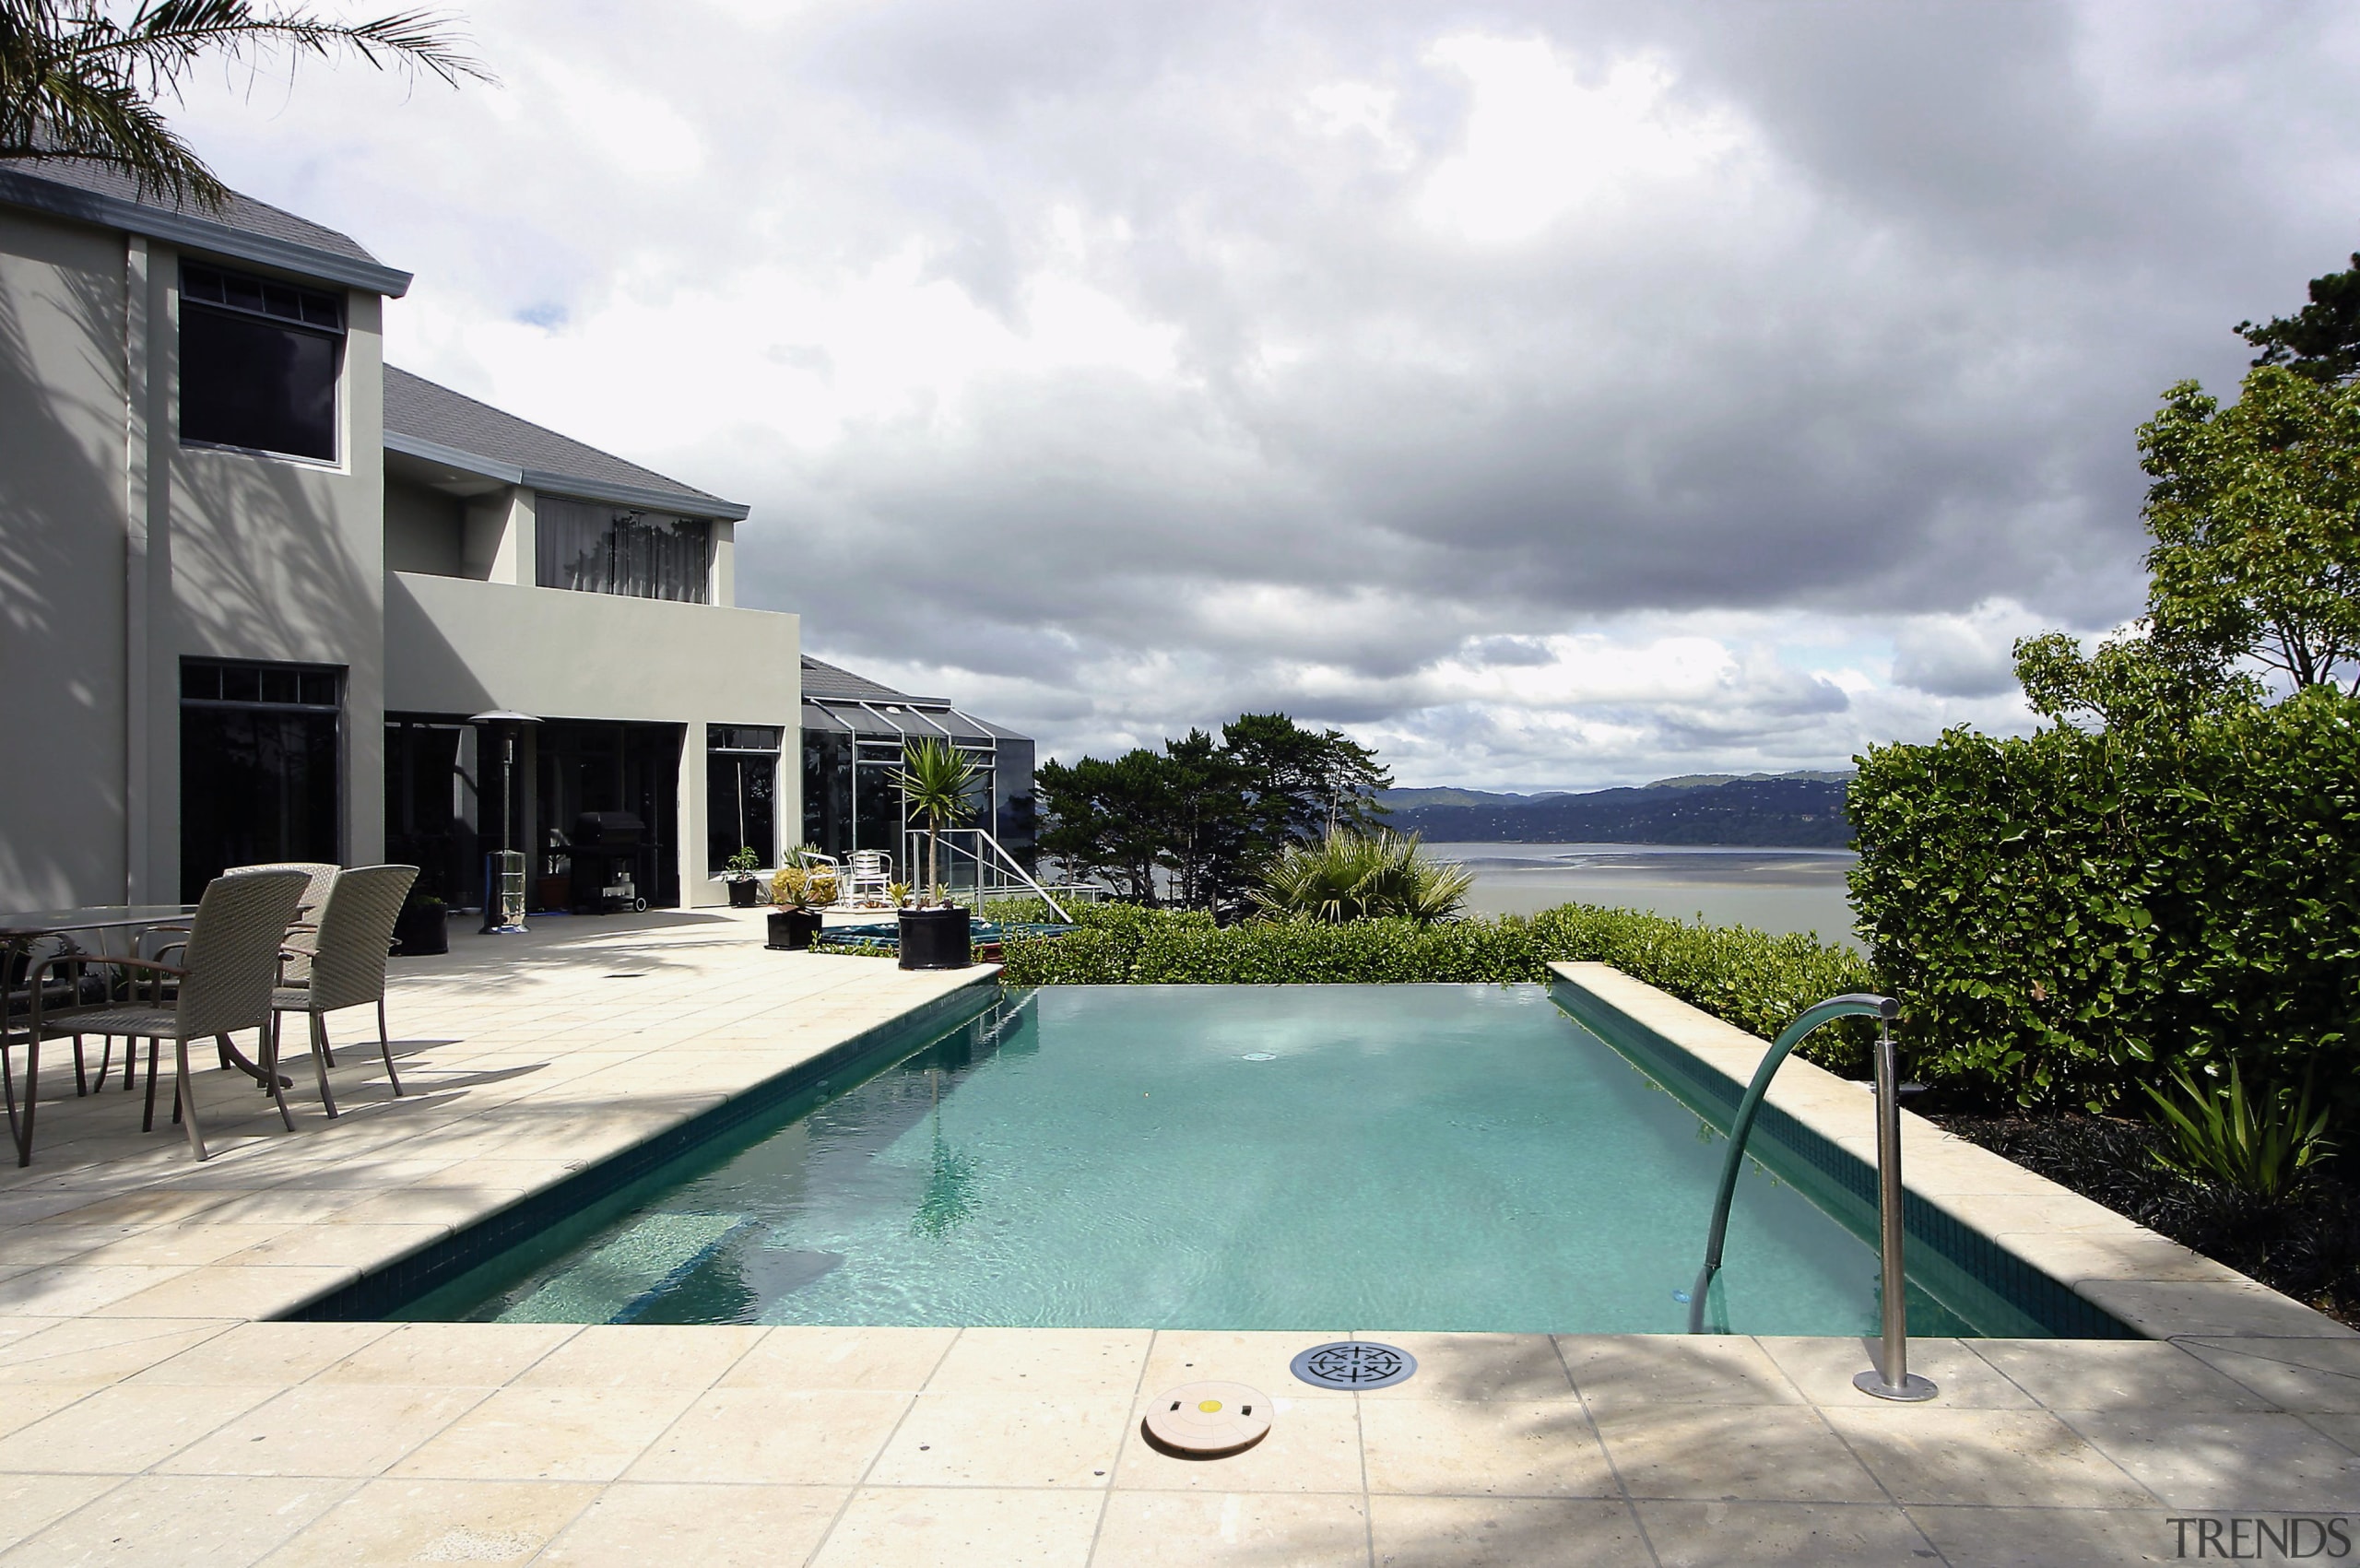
1350	875
934	779
77	84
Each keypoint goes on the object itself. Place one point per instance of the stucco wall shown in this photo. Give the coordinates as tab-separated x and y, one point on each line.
454	645
281	559
61	563
424	530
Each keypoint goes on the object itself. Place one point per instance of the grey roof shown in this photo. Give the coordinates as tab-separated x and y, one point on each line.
829	691
430	420
243	228
826	680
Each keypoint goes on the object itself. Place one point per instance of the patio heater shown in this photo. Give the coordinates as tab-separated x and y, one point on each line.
504	869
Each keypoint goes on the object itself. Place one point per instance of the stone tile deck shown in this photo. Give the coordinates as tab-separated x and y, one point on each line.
146	1416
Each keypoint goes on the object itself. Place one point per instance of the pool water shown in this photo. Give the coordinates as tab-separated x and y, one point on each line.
1298	1158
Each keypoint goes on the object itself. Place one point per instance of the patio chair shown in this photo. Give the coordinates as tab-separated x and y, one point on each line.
64	984
870	876
354	935
295	953
223	985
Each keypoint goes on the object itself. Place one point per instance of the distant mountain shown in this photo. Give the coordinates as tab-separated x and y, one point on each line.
1400	798
1791	811
1691	781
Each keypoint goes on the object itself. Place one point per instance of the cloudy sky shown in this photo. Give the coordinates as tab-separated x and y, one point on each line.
1553	395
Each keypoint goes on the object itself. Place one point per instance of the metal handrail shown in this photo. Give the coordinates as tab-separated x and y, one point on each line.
1891	1377
948	838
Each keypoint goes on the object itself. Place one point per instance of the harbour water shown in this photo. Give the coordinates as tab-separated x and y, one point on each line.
1774	889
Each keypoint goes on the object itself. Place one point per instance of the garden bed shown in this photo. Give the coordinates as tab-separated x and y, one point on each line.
2306	1245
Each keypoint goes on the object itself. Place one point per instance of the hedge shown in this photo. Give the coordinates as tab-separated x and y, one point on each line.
1752	978
2067	915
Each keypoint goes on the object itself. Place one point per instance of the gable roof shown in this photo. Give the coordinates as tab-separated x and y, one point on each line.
427	419
243	230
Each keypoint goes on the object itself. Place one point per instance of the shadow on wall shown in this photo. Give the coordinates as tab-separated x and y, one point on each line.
428	661
274	561
61	572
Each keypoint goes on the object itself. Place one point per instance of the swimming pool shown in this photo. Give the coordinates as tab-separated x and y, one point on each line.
1301	1158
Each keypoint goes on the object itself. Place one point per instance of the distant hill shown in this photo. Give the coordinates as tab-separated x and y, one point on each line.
1790	811
1400	798
1691	781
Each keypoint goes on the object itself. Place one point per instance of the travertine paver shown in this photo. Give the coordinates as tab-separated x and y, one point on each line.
176	1431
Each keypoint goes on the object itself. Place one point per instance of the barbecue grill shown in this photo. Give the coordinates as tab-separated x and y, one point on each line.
606	856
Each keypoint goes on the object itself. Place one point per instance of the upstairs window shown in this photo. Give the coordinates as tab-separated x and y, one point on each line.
599	548
258	363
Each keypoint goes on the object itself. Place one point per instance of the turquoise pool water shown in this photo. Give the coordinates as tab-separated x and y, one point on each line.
1300	1158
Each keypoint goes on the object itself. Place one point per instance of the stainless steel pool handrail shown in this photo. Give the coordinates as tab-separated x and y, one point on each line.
1891	1375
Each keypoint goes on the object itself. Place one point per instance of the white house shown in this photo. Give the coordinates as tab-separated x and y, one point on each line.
254	584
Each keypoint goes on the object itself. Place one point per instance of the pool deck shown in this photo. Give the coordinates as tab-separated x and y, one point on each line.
151	1415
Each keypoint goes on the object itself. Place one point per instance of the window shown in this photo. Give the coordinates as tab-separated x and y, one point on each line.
742	791
261	767
598	547
258	363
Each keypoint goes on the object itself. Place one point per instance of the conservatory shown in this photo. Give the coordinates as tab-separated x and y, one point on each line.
853	732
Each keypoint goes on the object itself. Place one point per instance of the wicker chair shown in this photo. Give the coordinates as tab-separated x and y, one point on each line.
347	966
294	955
223	985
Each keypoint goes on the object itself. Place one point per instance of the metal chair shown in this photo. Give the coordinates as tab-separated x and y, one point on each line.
871	874
223	985
354	935
63	986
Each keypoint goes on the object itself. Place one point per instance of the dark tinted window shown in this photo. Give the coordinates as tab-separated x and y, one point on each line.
258	363
260	767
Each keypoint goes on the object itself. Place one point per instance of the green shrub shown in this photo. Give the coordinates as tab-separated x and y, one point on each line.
1750	978
1024	910
2068	915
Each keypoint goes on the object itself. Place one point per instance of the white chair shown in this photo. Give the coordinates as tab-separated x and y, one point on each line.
354	933
223	985
871	876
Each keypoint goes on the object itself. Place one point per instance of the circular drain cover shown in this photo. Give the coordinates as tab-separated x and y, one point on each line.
1260	1057
1208	1420
1354	1363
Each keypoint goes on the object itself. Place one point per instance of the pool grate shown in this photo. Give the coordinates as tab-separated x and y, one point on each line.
1354	1364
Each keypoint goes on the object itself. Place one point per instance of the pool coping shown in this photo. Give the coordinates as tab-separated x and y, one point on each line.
2150	1284
382	1292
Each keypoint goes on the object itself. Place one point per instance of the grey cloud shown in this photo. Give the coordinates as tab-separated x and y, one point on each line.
1886	368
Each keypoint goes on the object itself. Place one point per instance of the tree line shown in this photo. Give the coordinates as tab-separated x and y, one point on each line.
1194	823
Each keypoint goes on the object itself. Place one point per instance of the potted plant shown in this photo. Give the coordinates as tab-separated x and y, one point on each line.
934	778
800	891
422	926
737	871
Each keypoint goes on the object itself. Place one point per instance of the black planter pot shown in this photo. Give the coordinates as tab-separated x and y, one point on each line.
421	929
936	939
792	930
745	895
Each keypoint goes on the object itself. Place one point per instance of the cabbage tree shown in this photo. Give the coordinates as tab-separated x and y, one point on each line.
935	778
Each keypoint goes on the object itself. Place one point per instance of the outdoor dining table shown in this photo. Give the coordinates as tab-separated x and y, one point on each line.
18	932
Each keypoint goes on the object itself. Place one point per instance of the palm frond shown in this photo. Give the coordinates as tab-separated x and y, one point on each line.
75	84
167	36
